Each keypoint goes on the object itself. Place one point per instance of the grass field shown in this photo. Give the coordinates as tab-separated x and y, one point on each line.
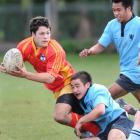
26	107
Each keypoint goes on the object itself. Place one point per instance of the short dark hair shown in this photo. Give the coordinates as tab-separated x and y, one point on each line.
83	76
125	3
38	21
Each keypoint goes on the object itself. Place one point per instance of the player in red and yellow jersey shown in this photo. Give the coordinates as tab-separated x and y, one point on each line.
52	68
50	59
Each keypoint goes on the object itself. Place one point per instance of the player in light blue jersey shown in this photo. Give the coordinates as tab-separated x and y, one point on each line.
123	32
135	133
99	107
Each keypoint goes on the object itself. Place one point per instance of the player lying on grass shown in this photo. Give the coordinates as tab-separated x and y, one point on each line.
52	69
100	108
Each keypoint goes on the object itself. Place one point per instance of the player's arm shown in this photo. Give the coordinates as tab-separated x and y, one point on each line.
93	115
96	49
52	68
43	77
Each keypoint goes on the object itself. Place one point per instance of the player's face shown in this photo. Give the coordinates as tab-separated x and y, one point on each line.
79	89
121	13
42	36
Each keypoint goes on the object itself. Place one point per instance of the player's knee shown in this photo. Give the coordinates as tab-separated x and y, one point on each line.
116	134
60	118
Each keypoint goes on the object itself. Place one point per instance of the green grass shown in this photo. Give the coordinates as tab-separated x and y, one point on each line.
26	107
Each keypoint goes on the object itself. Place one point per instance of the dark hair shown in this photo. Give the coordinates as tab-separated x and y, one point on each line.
83	76
125	3
38	21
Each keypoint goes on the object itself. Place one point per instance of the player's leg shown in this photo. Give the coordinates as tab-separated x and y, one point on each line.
65	108
123	86
61	111
116	134
120	87
66	103
129	108
137	95
117	91
120	128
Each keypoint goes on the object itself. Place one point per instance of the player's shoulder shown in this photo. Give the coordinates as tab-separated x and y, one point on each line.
113	22
56	45
136	19
99	88
25	41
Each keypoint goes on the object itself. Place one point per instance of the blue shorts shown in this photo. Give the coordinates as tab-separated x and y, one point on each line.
122	123
127	84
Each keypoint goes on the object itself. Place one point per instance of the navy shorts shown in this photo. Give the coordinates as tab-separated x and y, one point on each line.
72	101
122	123
127	84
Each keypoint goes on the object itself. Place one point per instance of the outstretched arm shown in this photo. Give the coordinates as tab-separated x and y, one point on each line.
96	49
43	77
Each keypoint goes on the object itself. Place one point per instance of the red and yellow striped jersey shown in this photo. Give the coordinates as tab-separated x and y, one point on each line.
50	59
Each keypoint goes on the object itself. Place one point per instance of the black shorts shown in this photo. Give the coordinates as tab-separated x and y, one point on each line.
122	123
127	84
72	101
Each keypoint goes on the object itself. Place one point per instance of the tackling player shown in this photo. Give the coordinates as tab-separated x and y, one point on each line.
99	107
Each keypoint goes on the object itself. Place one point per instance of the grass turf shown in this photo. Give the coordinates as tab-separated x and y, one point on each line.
26	107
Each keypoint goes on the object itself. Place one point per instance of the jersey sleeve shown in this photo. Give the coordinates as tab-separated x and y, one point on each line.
106	38
23	45
102	97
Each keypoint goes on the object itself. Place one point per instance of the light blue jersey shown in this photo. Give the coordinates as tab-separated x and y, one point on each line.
127	43
135	134
99	94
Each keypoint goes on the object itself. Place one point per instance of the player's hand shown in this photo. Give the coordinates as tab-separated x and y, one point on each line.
2	68
78	128
84	53
20	72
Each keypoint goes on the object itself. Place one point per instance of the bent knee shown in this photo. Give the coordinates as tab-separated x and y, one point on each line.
116	134
61	113
61	118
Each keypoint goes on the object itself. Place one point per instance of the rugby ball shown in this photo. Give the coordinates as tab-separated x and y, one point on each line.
12	59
